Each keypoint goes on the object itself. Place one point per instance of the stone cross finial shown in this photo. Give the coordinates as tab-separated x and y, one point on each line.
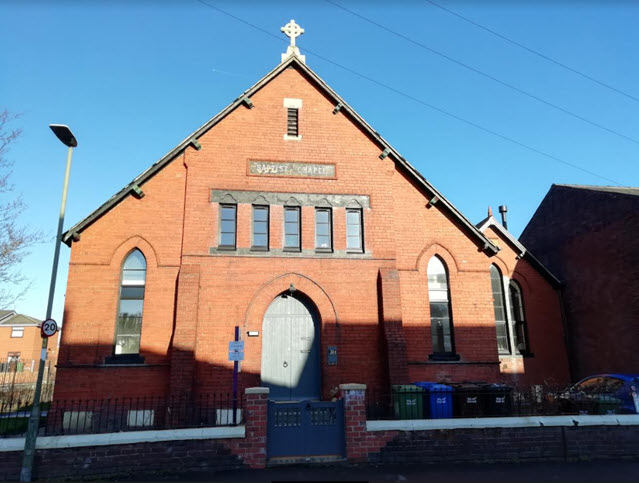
292	30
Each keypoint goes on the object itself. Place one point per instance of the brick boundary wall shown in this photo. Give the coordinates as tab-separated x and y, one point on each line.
110	460
559	439
487	444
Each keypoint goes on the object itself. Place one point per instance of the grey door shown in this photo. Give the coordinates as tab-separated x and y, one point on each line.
290	350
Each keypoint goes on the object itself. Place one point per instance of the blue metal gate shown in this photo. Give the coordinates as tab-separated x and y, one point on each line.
305	428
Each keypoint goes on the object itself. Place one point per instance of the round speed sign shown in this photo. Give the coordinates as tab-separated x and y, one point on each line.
49	328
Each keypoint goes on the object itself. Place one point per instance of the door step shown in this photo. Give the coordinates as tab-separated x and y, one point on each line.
301	460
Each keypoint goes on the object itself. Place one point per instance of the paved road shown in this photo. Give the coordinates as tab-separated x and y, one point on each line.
585	472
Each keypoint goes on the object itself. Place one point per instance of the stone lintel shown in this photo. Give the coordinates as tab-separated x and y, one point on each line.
352	387
257	390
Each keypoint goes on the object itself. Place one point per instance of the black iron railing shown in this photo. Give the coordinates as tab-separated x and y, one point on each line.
485	400
124	414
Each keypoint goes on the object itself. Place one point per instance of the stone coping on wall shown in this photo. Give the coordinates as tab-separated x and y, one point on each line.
128	437
505	422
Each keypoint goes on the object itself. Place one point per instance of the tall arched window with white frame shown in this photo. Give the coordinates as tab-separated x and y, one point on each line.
441	323
520	332
499	305
128	328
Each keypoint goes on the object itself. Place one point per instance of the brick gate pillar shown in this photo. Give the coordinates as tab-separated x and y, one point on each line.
256	414
354	396
185	333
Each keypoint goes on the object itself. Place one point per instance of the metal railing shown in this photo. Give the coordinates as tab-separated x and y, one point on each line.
123	414
487	401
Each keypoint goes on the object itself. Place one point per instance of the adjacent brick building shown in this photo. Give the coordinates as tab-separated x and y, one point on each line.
21	347
20	340
587	236
288	216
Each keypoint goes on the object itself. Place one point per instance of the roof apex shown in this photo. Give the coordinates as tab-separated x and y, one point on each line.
292	60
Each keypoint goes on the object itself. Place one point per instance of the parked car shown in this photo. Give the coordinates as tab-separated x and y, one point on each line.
601	394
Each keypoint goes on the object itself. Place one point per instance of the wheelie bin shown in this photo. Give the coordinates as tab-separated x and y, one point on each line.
438	401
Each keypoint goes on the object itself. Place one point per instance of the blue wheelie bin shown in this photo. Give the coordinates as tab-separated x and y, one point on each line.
439	400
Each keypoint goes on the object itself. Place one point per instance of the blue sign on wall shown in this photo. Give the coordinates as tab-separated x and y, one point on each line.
332	355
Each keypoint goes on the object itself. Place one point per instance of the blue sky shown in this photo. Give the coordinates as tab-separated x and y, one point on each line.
133	79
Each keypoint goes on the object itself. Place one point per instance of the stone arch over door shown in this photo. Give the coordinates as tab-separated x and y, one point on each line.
328	319
290	359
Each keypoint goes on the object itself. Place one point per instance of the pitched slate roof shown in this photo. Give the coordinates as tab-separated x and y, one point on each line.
10	318
516	244
293	60
622	190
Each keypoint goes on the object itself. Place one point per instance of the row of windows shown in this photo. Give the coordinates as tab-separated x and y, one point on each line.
129	324
441	324
292	228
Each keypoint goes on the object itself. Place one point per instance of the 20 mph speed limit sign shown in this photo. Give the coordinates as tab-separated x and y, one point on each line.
49	328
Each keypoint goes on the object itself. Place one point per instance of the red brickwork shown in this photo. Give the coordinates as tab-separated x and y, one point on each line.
370	306
588	237
479	445
542	312
253	448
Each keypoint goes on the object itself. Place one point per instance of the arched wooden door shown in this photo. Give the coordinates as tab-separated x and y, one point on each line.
290	349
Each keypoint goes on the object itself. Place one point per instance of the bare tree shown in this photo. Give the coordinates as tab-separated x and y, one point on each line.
15	239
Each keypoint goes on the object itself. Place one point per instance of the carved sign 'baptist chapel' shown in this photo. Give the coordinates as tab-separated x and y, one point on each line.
300	170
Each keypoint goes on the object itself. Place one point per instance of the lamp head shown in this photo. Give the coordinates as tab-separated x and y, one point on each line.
64	134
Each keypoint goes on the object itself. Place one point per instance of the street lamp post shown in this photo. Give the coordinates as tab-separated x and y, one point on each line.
65	135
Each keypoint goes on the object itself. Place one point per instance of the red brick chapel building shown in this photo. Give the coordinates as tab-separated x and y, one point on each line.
289	216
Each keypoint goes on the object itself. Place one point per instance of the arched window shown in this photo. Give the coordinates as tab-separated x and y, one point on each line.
519	321
129	324
496	282
441	325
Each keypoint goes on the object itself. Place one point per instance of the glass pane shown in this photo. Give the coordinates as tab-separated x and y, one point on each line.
438	295
502	336
440	327
291	241
352	230
228	226
260	214
520	337
291	214
260	227
127	344
291	228
495	279
439	310
259	240
131	307
134	292
354	243
437	282
322	216
353	218
228	213
133	277
227	239
135	261
322	230
323	241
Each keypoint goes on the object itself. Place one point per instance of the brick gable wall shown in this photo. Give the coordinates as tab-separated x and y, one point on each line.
176	226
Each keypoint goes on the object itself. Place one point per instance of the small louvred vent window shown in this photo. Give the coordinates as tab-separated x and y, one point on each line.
292	122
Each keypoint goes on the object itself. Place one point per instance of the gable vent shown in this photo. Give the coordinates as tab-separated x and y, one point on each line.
292	121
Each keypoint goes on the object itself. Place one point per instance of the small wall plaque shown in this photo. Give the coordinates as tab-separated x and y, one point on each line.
332	355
